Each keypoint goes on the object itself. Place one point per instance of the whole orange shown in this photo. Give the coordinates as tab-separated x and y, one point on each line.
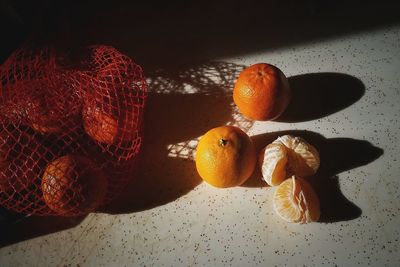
73	185
262	92
50	111
225	157
106	128
100	126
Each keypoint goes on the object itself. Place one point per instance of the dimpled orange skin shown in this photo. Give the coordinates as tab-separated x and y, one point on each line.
225	157
100	126
262	92
105	128
72	185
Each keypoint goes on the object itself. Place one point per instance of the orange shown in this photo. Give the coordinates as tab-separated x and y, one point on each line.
48	111
73	185
42	118
43	124
295	201
262	92
225	157
100	126
288	155
106	128
43	128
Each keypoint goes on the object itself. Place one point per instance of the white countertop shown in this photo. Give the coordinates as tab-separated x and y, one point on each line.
168	217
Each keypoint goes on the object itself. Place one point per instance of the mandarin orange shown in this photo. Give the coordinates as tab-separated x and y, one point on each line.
100	126
273	161
288	155
262	92
73	185
225	157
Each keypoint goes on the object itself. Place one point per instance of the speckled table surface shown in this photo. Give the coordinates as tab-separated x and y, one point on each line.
346	102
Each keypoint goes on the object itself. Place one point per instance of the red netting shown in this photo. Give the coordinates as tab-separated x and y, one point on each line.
70	128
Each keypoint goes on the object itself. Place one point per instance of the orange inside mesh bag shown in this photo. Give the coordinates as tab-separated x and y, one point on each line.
70	128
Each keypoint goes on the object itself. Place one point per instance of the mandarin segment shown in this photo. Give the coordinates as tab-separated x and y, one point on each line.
225	157
273	161
303	157
295	201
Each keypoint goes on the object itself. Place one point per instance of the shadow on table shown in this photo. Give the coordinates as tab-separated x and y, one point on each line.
20	228
316	95
337	155
181	107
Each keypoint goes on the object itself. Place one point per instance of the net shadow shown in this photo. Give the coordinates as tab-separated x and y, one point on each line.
182	105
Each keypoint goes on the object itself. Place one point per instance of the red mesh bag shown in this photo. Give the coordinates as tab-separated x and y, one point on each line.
70	128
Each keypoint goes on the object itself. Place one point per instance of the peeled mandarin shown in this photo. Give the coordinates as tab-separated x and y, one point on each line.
286	156
295	201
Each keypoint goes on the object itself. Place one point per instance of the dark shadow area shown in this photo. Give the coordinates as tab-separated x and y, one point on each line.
158	34
174	120
182	105
316	95
15	228
8	217
161	177
255	179
337	155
